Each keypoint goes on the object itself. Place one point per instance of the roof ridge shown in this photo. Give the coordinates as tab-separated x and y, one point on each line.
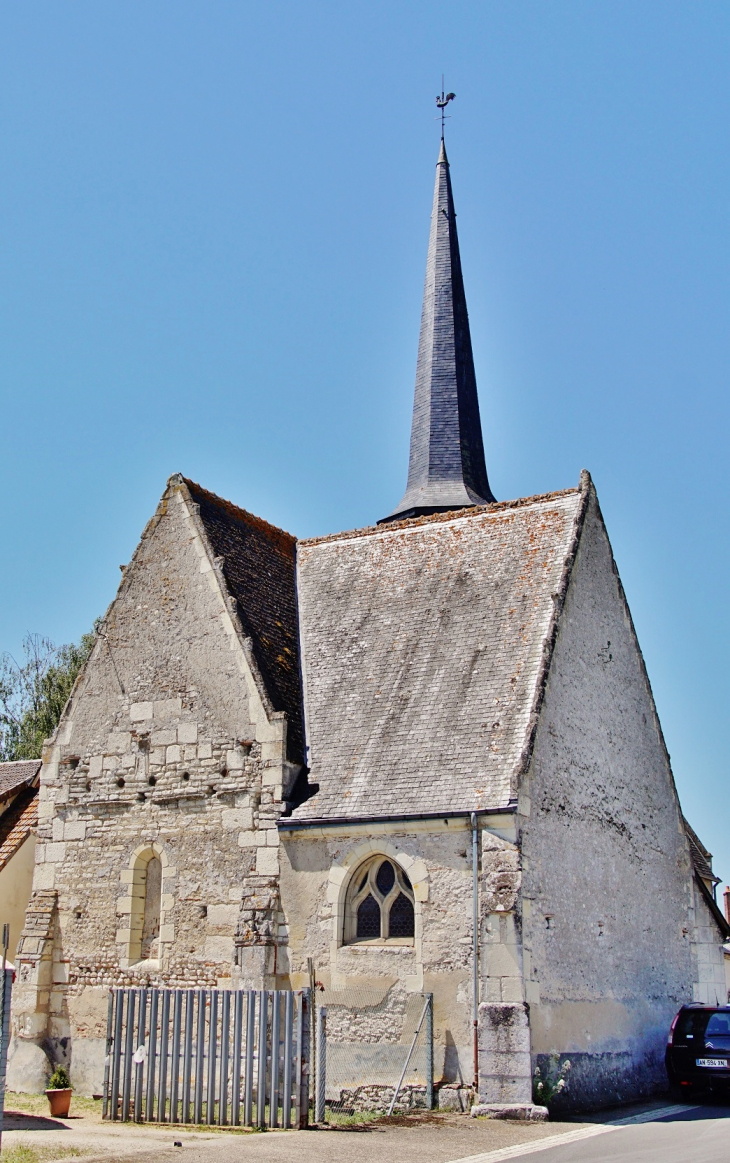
441	518
229	506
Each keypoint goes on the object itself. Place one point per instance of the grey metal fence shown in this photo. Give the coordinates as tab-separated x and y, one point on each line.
6	988
217	1056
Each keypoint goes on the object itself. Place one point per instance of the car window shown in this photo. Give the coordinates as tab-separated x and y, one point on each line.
691	1025
719	1026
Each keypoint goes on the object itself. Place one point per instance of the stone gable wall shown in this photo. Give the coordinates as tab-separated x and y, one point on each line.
165	744
607	881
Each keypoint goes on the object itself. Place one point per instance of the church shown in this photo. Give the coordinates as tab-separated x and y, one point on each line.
423	754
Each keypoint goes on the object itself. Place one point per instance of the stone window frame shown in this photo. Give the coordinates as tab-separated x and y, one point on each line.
357	893
341	871
131	906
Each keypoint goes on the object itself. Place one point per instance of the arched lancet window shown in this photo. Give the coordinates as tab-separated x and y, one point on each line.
379	904
151	916
144	933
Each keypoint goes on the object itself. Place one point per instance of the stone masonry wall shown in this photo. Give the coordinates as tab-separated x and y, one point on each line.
316	869
607	880
165	748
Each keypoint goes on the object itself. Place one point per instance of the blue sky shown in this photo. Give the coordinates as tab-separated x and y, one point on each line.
215	218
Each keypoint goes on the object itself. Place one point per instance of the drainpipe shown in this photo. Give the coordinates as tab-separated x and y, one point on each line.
475	938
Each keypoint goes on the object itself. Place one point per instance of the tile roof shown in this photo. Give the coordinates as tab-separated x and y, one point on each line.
17	823
423	647
258	562
16	774
701	858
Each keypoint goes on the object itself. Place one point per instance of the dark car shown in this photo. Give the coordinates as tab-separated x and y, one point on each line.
698	1049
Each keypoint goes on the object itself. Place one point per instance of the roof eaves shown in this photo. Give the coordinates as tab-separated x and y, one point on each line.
17	824
722	923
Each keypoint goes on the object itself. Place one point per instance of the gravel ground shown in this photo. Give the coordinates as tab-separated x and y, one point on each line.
423	1138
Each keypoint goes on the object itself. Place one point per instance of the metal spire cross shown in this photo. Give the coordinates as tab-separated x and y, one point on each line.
442	102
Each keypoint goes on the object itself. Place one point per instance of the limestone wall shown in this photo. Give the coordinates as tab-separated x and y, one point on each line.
316	868
165	749
607	903
709	984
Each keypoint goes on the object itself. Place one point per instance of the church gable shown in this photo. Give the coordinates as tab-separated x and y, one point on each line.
607	921
422	644
257	562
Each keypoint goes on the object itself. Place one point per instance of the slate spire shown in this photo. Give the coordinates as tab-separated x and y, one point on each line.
446	468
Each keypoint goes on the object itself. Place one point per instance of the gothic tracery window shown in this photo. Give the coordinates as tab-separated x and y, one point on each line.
380	904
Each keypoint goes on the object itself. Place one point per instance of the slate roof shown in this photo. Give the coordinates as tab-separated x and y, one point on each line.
446	469
701	858
17	823
16	775
422	654
258	563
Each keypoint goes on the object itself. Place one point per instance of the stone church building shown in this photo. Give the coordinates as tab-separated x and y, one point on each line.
281	750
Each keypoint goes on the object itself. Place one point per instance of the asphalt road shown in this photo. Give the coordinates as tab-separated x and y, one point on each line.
700	1135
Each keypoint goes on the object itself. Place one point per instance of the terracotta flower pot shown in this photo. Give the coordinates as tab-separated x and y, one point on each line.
59	1102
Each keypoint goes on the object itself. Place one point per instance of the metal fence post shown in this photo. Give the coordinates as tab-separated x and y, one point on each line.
261	1060
108	1058
5	992
321	1081
303	1049
429	1054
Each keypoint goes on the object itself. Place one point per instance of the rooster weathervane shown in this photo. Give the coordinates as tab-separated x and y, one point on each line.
442	102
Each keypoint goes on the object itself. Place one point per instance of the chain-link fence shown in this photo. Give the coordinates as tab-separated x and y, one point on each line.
378	1046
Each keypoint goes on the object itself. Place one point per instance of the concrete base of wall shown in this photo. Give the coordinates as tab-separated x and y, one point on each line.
28	1067
505	1066
510	1110
608	1079
87	1065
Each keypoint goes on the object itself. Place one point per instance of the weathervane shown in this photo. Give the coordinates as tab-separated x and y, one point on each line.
442	102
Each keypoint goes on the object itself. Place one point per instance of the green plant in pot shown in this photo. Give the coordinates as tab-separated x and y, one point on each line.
59	1092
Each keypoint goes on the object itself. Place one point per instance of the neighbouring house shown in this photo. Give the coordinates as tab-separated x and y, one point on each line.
18	820
281	750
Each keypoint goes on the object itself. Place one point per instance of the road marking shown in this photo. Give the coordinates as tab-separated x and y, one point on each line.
521	1149
541	1145
649	1116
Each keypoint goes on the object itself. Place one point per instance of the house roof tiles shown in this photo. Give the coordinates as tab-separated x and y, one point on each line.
17	823
16	775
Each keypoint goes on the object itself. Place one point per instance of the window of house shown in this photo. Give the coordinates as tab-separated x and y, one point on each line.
379	904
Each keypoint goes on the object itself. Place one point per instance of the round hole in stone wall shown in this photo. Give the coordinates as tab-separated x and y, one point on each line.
186	775
120	782
152	780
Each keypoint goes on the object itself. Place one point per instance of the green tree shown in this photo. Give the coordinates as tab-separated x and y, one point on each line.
33	692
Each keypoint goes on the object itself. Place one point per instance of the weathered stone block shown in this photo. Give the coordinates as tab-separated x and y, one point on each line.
267	861
187	733
74	830
138	712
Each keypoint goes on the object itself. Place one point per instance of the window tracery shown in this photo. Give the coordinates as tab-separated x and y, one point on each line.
380	904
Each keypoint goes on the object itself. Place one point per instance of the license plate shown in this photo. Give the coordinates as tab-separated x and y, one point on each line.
716	1063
